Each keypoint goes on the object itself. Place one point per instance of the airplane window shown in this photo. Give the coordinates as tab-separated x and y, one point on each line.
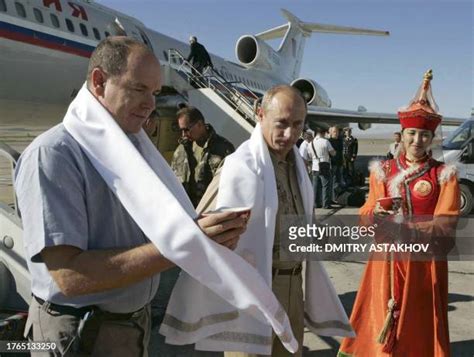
3	6
54	20
84	30
20	9
145	38
70	25
96	33
107	34
166	55
38	15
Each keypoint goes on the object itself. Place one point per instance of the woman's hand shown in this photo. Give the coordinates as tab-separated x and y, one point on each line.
380	211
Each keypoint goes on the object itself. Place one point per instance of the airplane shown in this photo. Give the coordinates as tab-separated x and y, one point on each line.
45	46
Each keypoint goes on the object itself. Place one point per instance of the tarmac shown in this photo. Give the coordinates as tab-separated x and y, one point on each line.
344	275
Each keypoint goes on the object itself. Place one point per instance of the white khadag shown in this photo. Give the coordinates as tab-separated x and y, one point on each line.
150	192
248	180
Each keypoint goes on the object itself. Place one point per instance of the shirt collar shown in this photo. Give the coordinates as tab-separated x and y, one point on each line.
290	158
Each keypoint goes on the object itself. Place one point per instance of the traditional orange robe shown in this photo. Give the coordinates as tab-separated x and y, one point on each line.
421	287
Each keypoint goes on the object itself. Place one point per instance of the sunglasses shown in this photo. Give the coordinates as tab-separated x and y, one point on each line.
177	129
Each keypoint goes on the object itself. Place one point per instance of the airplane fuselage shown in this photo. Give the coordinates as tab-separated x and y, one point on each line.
45	46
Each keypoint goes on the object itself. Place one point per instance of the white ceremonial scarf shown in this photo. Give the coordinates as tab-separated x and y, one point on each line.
194	312
157	202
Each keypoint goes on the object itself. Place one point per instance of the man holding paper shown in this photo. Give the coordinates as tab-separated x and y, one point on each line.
267	174
103	214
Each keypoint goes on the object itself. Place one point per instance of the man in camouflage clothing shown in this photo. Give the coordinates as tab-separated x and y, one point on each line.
200	152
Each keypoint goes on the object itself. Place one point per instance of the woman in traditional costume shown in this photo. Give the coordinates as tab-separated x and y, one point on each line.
401	308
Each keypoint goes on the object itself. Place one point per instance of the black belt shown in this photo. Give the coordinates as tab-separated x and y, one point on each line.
293	271
81	311
64	309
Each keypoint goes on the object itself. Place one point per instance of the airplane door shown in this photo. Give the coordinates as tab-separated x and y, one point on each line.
123	27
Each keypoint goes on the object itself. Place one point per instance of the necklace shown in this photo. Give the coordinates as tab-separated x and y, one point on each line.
415	161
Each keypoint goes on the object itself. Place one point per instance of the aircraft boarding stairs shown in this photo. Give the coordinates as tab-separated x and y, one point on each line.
230	112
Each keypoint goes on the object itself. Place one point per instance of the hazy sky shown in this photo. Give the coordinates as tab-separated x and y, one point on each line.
380	73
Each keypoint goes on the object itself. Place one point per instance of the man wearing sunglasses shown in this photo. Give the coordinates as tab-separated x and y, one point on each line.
200	153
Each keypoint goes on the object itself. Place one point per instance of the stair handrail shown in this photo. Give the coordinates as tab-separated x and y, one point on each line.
212	79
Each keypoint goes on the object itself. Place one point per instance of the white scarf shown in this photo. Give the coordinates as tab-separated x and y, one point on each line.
194	312
157	202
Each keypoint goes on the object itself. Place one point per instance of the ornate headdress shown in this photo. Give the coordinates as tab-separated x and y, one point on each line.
422	112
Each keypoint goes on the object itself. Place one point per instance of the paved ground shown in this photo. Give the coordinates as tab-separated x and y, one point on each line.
346	277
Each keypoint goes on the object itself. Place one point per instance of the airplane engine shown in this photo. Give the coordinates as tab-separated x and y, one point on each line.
312	92
254	53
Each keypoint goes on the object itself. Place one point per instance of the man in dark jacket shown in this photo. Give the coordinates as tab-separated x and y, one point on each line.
199	56
350	149
336	162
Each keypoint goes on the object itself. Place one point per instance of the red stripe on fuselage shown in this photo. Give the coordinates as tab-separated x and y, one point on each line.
42	43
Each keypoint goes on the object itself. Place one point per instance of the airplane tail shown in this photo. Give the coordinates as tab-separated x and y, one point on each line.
294	34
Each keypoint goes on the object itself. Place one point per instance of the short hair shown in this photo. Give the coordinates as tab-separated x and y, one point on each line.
397	133
111	55
193	38
192	113
267	98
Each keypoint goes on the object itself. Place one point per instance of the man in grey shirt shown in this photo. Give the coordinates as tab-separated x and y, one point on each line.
93	271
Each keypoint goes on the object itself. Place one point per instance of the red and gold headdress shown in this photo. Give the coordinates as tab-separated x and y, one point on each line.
422	112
